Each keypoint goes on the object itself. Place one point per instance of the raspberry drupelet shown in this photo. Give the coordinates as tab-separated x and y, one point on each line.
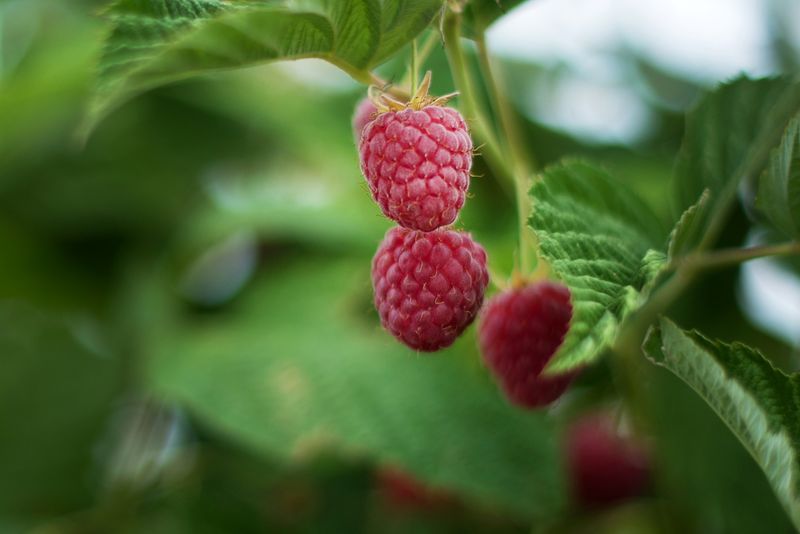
428	285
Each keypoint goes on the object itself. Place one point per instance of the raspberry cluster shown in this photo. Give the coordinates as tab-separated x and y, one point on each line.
428	279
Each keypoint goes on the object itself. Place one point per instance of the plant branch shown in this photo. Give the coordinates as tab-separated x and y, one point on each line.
686	269
726	257
520	158
489	146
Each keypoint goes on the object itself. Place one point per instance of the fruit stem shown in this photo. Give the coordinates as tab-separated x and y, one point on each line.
489	148
414	67
521	160
422	54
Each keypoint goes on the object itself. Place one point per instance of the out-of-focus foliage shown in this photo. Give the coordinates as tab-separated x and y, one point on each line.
56	394
204	255
728	138
779	188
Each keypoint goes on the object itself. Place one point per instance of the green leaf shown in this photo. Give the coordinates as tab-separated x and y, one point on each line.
55	397
759	403
703	470
728	138
603	242
153	42
779	188
300	366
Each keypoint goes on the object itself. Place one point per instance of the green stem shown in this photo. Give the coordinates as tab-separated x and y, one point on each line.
727	257
508	121
422	55
414	67
489	146
519	155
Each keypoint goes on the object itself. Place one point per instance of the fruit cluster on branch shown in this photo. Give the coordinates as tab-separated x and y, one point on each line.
429	279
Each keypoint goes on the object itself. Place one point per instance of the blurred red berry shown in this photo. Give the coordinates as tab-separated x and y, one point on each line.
365	112
519	332
404	491
605	467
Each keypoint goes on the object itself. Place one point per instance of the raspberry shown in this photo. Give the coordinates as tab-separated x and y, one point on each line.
417	165
605	467
519	332
428	286
363	115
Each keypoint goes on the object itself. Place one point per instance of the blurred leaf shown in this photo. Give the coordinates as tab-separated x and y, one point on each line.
152	43
300	366
55	396
779	188
600	240
41	100
728	138
480	14
689	228
759	403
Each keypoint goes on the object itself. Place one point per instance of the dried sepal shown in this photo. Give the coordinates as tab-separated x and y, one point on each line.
385	102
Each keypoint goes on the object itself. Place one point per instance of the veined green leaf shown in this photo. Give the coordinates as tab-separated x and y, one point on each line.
759	403
153	42
301	366
779	188
603	243
728	139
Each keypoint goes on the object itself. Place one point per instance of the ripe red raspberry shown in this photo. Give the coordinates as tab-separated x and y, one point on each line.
605	467
363	115
428	285
417	165
519	332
